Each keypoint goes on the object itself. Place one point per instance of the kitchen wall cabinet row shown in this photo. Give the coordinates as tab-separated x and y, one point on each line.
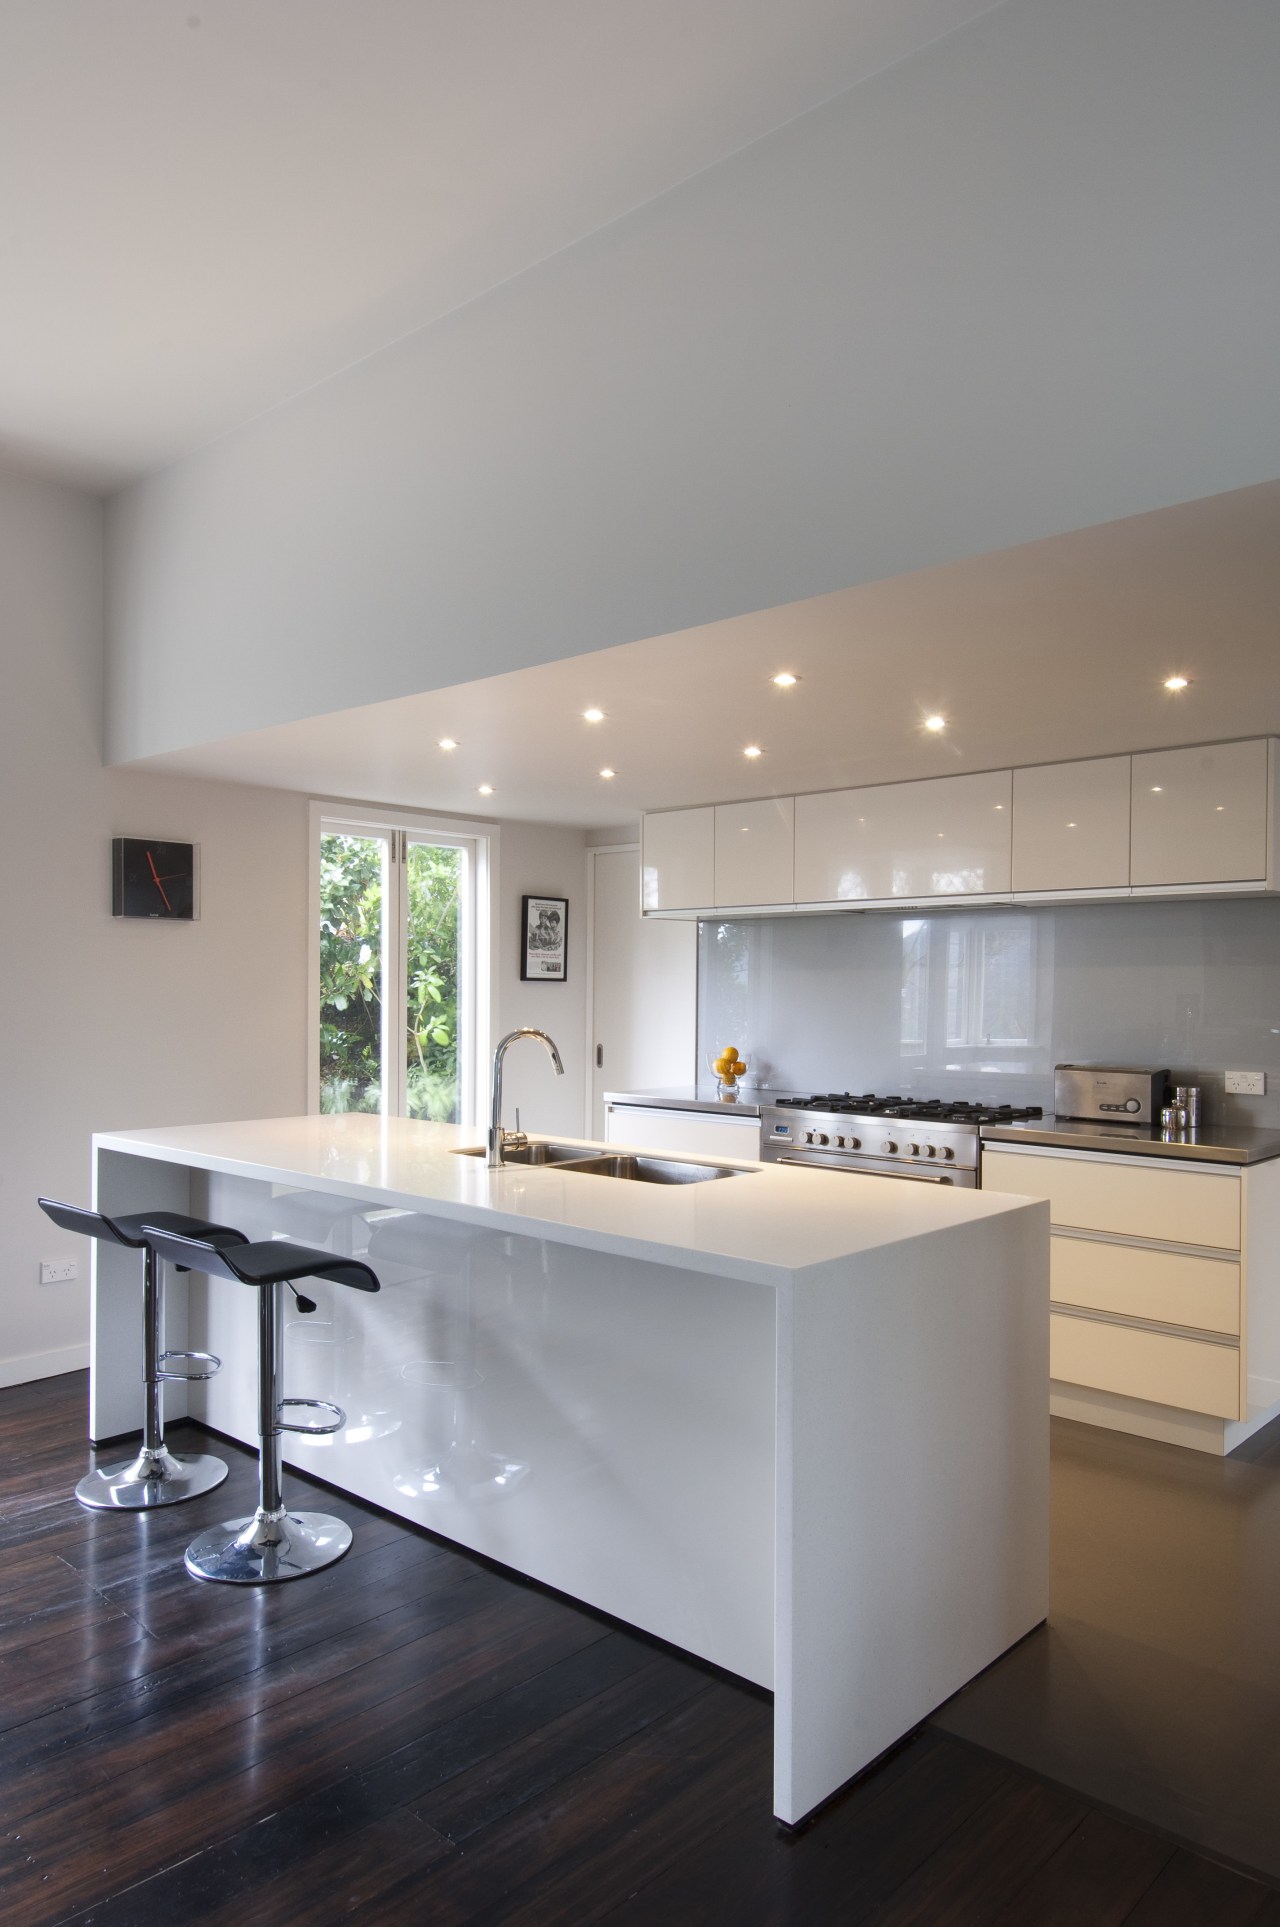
1163	821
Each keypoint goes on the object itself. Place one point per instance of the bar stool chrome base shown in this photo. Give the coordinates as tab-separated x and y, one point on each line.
154	1478
268	1547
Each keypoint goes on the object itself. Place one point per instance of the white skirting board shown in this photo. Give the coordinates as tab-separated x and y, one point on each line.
1168	1423
21	1371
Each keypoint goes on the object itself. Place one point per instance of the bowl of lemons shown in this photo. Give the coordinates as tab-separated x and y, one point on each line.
728	1067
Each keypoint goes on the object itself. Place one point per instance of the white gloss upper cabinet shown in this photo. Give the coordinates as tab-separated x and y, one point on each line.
677	864
754	851
1201	815
1071	825
947	836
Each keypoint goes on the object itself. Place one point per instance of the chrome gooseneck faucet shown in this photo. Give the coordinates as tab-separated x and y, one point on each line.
498	1138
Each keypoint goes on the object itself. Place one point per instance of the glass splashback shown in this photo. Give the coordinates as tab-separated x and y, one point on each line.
984	1003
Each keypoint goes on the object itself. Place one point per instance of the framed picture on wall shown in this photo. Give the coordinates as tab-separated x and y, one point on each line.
544	950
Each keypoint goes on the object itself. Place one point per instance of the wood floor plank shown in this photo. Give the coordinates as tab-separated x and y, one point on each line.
159	1802
1099	1873
334	1822
553	1749
861	1849
175	1672
976	1872
422	1654
572	1855
308	1863
1194	1892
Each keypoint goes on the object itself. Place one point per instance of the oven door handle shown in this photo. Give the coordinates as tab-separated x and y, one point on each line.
871	1171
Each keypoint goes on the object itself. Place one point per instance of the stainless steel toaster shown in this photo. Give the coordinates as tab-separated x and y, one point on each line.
1124	1093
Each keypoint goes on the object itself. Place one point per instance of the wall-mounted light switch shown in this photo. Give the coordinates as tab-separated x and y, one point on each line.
1246	1083
59	1273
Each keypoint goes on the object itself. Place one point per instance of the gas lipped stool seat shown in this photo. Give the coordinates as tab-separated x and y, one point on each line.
156	1476
274	1543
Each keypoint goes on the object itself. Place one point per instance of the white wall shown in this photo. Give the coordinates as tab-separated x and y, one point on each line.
112	1023
537	859
107	1022
1023	282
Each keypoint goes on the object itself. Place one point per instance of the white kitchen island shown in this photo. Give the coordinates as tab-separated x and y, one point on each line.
792	1422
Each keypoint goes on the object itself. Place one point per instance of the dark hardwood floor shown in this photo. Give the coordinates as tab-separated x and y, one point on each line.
413	1736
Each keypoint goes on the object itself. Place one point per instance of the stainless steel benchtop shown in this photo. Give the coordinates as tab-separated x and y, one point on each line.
1211	1144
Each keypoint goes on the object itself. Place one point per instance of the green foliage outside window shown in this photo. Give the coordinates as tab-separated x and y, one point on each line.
351	978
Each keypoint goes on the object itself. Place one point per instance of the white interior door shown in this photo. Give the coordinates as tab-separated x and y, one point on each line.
644	988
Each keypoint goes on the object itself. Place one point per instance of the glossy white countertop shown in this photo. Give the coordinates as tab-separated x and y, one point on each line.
763	1227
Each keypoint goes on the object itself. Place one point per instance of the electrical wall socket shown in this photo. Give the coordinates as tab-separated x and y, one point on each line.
1246	1083
59	1273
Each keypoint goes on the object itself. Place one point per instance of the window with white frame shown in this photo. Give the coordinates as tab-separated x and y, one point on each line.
399	970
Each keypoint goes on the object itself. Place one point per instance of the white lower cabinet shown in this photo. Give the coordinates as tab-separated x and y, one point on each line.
1148	1281
704	1134
1161	1367
1152	1284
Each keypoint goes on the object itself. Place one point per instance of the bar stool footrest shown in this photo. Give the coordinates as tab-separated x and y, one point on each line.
189	1378
313	1405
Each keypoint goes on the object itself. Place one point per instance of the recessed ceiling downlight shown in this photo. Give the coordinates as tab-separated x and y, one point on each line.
608	774
447	742
1177	682
486	789
753	750
593	715
935	723
785	680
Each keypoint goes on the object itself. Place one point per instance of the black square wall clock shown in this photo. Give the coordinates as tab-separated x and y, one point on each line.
153	879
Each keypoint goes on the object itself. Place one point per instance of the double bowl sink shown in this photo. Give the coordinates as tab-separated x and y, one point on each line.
629	1165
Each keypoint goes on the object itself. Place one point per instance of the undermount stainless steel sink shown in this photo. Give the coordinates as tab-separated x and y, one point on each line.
609	1164
531	1153
642	1170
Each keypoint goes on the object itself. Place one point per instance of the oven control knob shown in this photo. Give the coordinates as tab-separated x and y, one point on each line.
890	1146
820	1137
914	1150
948	1151
838	1142
853	1144
931	1150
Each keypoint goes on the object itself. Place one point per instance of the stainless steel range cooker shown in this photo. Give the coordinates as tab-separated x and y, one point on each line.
931	1139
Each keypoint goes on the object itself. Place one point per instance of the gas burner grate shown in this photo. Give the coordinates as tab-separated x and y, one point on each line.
924	1110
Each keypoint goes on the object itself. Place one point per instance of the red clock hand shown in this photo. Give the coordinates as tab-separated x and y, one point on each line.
159	885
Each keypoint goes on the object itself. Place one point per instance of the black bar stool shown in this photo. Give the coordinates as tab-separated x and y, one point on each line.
275	1543
156	1476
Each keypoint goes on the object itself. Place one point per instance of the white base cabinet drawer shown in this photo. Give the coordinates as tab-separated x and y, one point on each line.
1185	1372
1173	1205
700	1133
1135	1282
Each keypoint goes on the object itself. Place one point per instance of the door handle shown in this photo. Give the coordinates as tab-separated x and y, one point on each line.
599	1057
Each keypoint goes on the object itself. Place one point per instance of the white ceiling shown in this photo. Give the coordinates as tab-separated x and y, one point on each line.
1053	650
206	206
